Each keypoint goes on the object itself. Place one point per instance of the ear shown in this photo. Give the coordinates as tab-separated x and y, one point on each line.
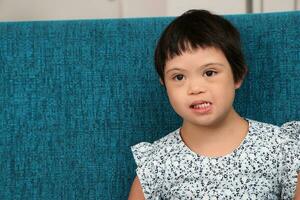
161	81
238	84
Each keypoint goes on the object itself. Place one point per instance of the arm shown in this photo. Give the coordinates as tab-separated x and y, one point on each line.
297	194
136	192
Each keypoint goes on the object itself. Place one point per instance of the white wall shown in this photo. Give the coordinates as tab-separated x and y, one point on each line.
19	10
177	7
275	5
143	8
58	9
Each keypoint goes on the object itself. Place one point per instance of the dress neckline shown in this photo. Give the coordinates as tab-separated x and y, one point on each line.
231	154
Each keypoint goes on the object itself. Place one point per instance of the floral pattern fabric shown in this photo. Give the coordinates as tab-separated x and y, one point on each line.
263	167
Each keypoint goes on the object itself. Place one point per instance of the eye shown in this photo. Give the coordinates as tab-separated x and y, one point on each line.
210	73
178	77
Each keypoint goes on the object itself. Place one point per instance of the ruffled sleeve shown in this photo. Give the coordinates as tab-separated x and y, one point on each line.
149	170
289	158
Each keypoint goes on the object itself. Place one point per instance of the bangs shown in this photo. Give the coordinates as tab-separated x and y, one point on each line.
184	42
182	46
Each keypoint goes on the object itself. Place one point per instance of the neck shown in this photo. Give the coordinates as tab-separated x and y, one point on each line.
226	133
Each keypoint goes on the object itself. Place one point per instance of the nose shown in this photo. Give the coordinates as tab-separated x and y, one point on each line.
196	87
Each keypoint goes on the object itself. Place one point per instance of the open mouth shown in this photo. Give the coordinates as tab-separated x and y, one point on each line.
201	107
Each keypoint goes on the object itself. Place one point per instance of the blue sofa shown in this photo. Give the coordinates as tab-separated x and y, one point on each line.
75	95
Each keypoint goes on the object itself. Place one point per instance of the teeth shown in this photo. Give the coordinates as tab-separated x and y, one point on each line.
203	105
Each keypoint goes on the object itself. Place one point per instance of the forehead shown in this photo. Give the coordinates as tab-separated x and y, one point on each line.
197	57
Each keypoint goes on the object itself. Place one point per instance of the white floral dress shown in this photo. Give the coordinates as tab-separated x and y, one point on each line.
264	166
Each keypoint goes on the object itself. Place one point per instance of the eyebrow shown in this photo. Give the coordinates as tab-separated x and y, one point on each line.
175	69
202	66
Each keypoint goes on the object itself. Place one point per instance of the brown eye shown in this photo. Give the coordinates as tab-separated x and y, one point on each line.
210	73
178	77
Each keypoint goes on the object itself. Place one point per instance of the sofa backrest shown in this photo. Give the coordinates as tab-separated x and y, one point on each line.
75	95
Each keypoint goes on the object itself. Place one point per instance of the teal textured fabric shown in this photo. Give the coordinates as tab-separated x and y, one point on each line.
75	95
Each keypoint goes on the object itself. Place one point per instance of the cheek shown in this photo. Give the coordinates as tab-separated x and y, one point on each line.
225	91
175	98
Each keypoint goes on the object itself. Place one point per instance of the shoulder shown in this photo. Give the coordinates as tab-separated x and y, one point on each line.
280	142
291	130
288	132
289	157
156	151
263	131
284	139
150	159
290	135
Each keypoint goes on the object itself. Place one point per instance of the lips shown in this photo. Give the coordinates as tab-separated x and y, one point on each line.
201	107
200	104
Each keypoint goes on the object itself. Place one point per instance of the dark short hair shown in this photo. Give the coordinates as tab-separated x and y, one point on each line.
200	28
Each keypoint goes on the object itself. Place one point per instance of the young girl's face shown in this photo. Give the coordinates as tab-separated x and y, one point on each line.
200	86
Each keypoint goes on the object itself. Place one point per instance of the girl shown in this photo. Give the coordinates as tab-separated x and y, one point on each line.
216	153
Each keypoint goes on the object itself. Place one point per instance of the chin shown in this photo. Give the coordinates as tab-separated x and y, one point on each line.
205	124
205	121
